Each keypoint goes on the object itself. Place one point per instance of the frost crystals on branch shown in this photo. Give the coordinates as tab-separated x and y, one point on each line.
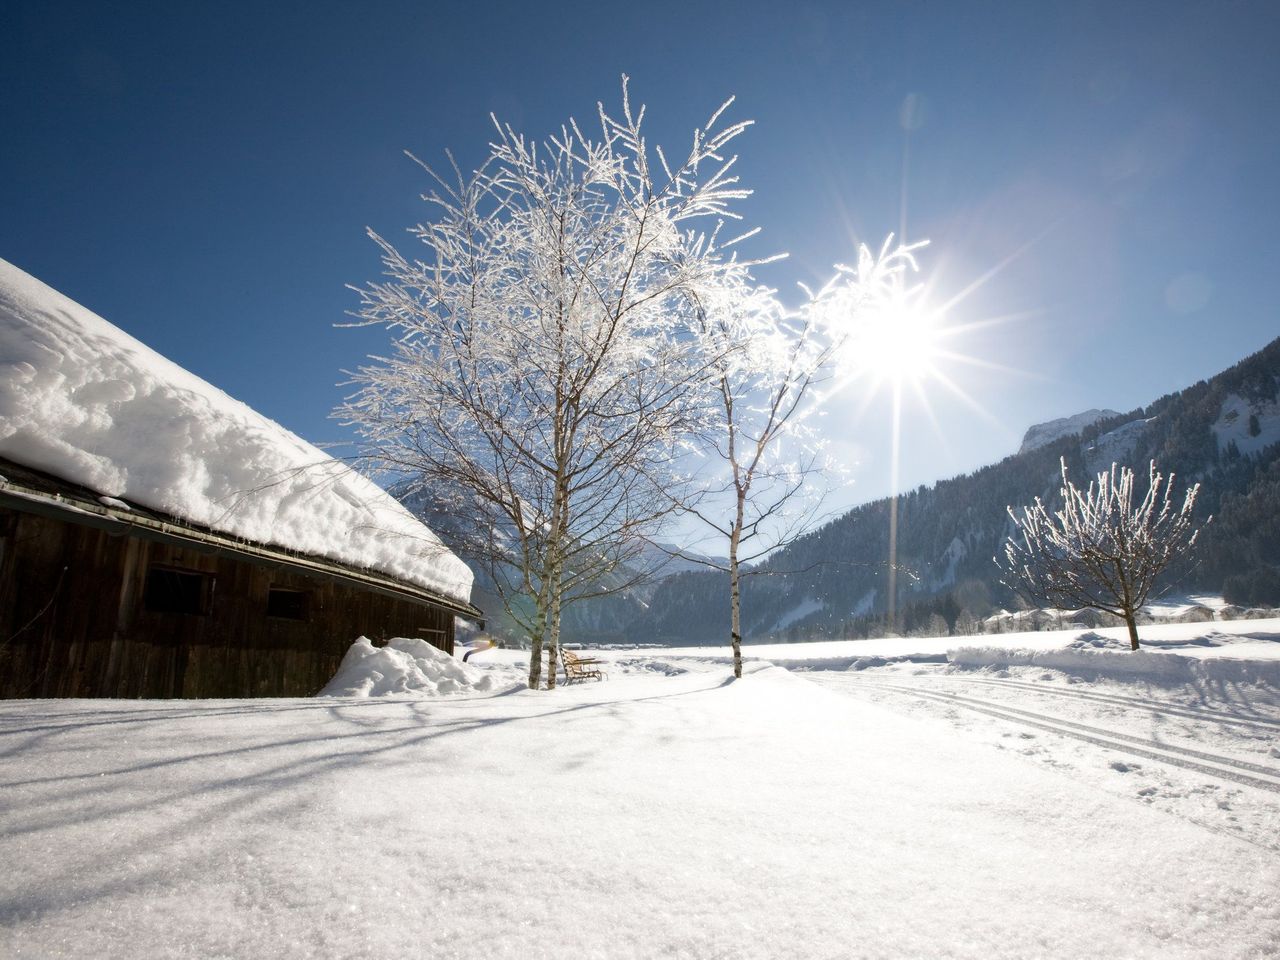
1101	550
541	374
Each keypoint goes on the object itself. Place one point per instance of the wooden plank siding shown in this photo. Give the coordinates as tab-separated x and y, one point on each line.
74	621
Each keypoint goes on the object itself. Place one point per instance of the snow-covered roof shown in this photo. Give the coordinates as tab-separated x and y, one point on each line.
84	401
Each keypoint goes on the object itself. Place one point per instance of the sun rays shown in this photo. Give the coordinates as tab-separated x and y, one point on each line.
911	343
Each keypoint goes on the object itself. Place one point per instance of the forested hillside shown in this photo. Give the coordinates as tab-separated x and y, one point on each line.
1223	433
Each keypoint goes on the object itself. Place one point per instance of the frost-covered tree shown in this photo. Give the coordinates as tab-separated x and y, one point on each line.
541	375
1102	549
766	365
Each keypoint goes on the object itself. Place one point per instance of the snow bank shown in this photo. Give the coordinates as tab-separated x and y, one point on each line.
1218	656
406	666
1077	657
83	400
1237	650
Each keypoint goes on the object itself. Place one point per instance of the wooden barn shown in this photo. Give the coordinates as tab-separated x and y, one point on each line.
159	539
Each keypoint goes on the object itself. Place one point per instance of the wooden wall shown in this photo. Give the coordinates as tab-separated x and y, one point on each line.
73	622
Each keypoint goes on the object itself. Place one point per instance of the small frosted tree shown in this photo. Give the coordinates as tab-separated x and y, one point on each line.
766	366
1102	550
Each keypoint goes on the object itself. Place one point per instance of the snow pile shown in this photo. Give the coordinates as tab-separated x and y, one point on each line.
83	400
667	668
405	667
1043	434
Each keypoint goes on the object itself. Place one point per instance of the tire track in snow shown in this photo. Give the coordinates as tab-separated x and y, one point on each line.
1226	768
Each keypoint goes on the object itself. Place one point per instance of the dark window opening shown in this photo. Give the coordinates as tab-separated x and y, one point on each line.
178	591
288	604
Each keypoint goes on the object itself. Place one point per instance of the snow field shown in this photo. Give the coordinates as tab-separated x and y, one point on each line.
669	811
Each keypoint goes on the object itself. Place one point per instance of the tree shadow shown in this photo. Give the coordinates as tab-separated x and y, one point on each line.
158	804
1242	701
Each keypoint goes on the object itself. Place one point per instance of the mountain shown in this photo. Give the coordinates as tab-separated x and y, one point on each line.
833	582
1042	434
661	560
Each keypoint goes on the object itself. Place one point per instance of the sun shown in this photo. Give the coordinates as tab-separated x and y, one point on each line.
895	341
890	336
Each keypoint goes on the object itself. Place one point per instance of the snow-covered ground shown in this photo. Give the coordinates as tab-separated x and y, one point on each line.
910	809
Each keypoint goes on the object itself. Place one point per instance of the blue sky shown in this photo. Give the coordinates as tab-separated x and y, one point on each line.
202	175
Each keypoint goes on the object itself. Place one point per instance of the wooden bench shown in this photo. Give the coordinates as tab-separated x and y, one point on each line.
580	668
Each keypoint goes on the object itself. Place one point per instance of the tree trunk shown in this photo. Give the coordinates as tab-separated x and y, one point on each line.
540	631
1129	607
535	661
735	625
735	596
553	641
548	598
555	581
1132	622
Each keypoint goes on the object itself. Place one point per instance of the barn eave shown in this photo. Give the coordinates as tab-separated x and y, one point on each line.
49	497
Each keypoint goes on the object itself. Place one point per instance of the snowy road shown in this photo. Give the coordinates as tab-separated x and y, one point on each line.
1211	755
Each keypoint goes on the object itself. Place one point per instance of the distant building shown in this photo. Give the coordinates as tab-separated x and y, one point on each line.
159	539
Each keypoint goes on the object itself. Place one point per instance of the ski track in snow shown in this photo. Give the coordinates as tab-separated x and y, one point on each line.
1165	709
1139	746
1218	766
